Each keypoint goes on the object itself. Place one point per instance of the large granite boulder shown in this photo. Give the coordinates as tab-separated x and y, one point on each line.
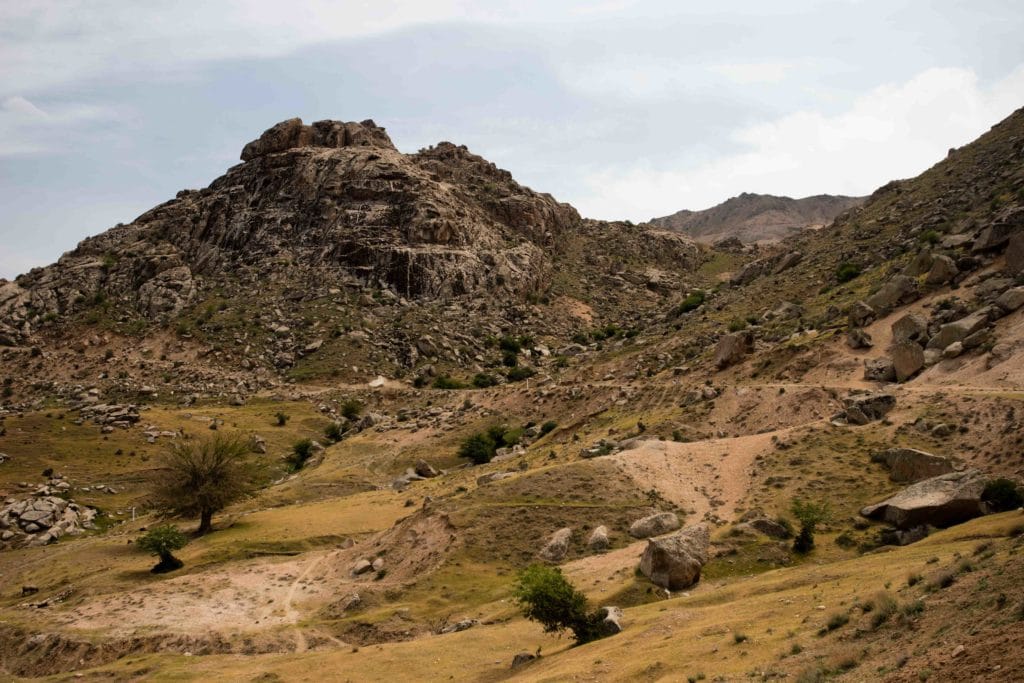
732	348
674	562
941	501
557	546
896	292
958	330
912	465
911	327
907	360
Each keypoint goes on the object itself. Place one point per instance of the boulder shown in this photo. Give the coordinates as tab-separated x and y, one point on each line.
858	338
654	525
898	291
557	546
864	408
425	469
953	350
907	360
942	271
910	327
911	465
879	370
788	261
860	314
920	264
599	541
940	501
958	330
610	621
1010	300
522	659
361	567
732	348
493	476
674	562
1007	223
769	527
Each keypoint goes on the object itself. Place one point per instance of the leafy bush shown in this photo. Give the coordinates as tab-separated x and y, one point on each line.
446	382
482	380
737	325
510	360
847	271
520	373
478	448
301	452
282	419
544	595
333	432
548	427
1002	494
930	237
692	301
510	345
351	408
581	338
837	620
162	541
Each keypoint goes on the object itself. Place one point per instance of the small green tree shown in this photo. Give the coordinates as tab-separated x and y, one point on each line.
162	541
809	514
544	595
478	448
1002	494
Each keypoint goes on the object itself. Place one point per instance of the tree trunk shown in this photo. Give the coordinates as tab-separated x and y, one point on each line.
205	522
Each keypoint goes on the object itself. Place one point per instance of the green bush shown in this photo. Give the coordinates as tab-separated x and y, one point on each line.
301	452
282	419
482	380
510	360
548	427
478	448
351	408
520	373
510	345
737	325
847	271
930	237
1002	494
162	541
544	595
446	382
693	301
333	432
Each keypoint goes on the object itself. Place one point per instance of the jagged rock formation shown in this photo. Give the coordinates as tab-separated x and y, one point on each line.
755	218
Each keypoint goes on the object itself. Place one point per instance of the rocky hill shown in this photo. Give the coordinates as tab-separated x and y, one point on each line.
757	218
444	378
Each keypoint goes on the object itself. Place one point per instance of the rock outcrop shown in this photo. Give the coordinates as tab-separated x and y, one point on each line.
912	465
940	501
654	525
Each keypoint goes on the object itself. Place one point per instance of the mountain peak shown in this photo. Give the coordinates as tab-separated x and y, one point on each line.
292	133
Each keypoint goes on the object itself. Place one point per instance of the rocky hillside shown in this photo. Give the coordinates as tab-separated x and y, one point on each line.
754	218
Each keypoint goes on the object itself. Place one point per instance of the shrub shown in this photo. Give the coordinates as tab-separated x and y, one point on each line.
351	408
930	237
282	419
510	345
1002	494
478	448
544	595
885	606
581	338
548	427
162	541
203	478
809	514
333	432
446	382
940	579
301	452
737	325
510	360
692	301
847	271
520	373
837	620
482	380
738	637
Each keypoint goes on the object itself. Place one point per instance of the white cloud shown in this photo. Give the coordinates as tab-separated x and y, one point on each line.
754	72
26	128
895	131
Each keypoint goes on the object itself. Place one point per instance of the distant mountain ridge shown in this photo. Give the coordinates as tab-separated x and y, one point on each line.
757	217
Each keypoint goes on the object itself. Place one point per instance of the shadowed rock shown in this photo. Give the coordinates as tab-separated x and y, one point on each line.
940	501
674	562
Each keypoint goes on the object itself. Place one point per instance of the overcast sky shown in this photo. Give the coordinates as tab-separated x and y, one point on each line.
626	109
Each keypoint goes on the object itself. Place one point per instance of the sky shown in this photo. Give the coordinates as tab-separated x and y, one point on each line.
623	108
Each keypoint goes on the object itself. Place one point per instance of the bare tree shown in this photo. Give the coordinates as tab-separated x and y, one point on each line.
202	478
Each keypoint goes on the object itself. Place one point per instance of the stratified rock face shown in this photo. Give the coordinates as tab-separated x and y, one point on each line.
674	562
332	200
940	501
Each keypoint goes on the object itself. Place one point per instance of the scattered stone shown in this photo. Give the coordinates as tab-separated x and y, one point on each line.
654	525
674	562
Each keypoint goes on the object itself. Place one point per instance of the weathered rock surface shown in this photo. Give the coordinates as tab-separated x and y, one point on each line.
879	370
910	327
732	348
864	408
912	465
599	541
654	525
898	291
907	360
674	562
940	501
557	546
